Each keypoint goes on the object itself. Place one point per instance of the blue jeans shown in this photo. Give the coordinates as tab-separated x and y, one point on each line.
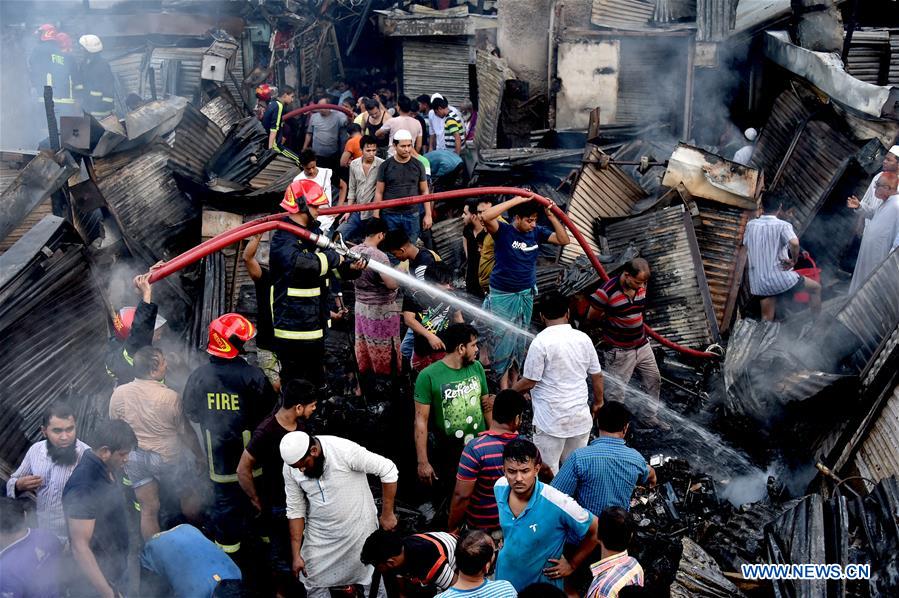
407	346
409	222
353	229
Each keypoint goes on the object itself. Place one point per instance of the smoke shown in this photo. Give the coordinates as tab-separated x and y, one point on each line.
753	486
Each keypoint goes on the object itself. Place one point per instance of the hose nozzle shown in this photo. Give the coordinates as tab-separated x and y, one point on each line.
338	245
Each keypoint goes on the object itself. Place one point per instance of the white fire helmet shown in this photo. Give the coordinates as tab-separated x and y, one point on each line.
91	43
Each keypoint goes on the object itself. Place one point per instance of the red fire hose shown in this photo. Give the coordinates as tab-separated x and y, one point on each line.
314	107
273	221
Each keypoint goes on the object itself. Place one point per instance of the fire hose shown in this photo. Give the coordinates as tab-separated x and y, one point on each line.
315	107
276	221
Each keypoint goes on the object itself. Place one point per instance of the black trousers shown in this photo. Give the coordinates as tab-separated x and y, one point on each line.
301	360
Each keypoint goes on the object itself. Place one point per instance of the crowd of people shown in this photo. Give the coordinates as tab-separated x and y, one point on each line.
236	465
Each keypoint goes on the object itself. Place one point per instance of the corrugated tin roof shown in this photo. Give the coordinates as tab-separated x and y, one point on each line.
878	456
715	19
192	143
622	14
277	174
11	163
437	65
869	55
720	234
679	304
872	313
40	295
599	193
667	11
222	112
448	241
639	99
493	72
34	183
786	115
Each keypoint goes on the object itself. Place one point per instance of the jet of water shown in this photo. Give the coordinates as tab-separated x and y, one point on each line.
467	307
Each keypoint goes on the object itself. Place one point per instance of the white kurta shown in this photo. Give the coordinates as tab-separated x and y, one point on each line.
339	510
869	201
877	241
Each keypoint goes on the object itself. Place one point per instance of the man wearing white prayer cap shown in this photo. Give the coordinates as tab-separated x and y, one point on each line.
331	509
869	202
745	153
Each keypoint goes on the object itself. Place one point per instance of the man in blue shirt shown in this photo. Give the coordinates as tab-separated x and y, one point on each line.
190	564
604	473
514	277
537	521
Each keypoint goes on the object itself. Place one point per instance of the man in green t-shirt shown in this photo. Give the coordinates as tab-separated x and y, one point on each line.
456	388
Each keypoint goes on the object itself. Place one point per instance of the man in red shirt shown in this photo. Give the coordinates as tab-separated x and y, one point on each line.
618	305
481	465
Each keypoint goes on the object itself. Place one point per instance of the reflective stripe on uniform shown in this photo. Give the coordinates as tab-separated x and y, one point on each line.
79	87
299	335
107	99
226	478
324	260
278	120
229	548
97	94
316	292
128	359
49	79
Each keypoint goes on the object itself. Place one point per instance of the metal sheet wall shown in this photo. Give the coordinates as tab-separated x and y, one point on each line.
878	456
869	55
437	65
715	19
192	143
40	296
622	14
777	134
678	295
652	79
493	72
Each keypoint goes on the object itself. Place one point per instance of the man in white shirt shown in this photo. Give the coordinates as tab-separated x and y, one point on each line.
436	124
744	154
881	230
555	372
331	509
322	176
868	201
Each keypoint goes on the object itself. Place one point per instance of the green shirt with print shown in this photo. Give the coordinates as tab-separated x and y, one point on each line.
455	397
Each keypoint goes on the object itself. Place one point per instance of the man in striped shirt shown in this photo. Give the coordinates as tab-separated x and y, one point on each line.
475	557
481	465
425	560
767	239
615	569
619	305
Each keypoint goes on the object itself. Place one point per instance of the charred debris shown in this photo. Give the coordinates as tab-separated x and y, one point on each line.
643	167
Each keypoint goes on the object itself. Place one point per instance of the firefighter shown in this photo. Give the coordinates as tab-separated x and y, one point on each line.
300	273
274	124
228	398
95	86
134	328
51	64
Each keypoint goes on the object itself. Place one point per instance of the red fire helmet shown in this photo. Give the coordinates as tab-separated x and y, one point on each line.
64	41
125	318
222	332
301	193
264	92
47	31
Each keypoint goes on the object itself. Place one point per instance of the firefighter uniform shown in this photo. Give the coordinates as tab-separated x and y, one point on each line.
228	398
51	66
272	120
95	87
120	353
300	274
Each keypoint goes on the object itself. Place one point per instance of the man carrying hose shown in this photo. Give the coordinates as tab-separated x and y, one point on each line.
514	277
300	273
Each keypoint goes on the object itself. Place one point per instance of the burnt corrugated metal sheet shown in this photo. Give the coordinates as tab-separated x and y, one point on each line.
437	65
279	172
448	241
599	193
493	72
872	313
679	304
639	100
786	116
699	575
798	536
893	77
669	11
622	14
11	163
656	151
720	234
192	143
42	176
878	456
46	287
715	19
869	55
222	112
812	168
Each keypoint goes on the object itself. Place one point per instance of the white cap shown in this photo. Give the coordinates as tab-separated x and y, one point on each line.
435	96
402	135
294	446
750	134
91	43
895	150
